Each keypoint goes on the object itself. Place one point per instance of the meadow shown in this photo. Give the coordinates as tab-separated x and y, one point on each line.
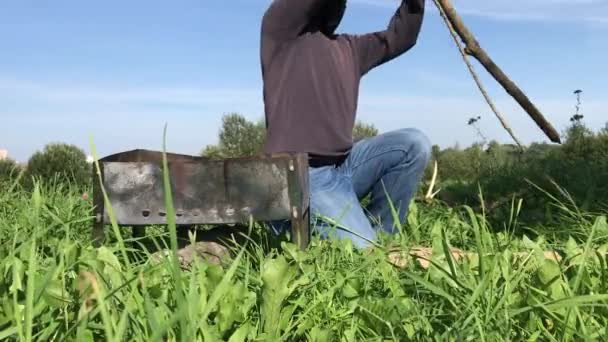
57	286
505	210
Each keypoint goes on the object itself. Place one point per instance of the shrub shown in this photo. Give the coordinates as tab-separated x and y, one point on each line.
9	170
59	162
579	167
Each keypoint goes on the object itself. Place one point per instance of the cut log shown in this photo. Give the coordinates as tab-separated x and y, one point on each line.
423	255
219	254
206	251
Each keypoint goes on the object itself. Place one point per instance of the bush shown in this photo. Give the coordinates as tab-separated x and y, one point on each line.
9	170
363	130
579	167
59	162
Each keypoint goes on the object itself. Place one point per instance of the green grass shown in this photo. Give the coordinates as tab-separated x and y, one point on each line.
56	286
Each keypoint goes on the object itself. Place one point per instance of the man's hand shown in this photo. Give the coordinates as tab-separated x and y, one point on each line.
415	6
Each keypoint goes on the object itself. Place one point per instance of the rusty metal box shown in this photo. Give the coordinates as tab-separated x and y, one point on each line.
205	191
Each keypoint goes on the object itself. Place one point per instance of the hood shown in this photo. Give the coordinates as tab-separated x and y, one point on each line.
328	17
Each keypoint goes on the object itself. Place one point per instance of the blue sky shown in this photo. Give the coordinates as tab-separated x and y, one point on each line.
119	70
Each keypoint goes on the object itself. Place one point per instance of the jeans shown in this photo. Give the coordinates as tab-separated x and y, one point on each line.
387	166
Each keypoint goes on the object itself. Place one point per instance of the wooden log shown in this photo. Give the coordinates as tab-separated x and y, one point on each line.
423	255
474	49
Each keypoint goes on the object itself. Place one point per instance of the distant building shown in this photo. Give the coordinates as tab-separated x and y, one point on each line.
3	154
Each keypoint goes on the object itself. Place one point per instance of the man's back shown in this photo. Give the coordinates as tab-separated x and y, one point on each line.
311	77
310	91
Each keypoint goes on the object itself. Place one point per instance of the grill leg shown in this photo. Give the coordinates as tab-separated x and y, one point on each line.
139	232
300	229
98	235
183	239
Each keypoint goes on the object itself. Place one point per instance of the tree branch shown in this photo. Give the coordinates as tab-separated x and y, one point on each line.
474	49
465	57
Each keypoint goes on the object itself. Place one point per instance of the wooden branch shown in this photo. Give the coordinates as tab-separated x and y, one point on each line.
430	194
483	91
474	49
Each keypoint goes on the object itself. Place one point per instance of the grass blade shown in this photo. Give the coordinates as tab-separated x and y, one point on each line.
570	302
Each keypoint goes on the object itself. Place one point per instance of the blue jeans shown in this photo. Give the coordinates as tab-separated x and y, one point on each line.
387	166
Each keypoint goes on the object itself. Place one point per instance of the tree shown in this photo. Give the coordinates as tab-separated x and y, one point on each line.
9	170
435	152
239	137
213	151
363	130
67	162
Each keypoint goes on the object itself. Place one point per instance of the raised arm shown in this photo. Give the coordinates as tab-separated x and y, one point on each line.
374	49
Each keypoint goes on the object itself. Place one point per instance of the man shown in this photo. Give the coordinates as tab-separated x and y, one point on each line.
311	83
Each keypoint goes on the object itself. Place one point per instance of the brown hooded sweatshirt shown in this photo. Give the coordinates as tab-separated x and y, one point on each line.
311	76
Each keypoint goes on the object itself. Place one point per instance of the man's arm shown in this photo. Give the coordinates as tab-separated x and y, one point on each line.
284	20
376	48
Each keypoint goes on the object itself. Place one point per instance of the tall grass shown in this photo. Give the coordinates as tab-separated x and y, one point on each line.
57	286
